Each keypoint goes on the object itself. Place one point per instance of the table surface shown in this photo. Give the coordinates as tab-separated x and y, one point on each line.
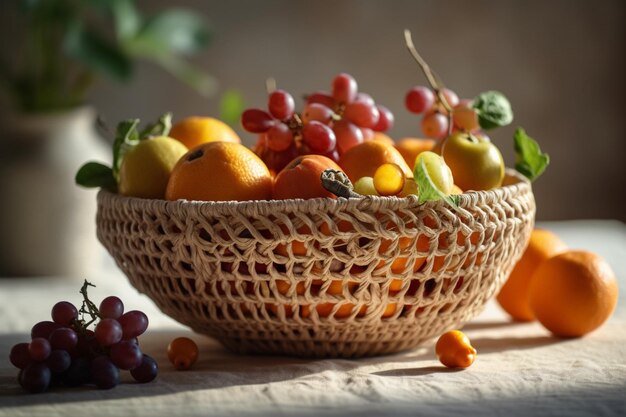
520	370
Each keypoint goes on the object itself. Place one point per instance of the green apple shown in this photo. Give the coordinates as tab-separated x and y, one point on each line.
476	163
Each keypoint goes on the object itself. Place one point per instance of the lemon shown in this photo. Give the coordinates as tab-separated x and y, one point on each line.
146	168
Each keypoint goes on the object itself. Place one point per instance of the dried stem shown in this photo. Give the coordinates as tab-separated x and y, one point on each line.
270	85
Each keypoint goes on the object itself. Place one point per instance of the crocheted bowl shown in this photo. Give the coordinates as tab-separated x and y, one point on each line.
320	277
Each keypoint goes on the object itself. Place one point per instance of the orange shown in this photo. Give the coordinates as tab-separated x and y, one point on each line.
381	137
409	148
573	293
193	131
454	350
514	295
301	178
363	159
220	171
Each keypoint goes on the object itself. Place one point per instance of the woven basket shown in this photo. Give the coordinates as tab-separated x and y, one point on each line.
321	277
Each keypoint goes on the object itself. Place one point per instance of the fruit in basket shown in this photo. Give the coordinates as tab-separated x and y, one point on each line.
438	173
194	131
301	178
476	163
146	168
182	352
388	179
409	148
363	160
67	351
514	297
454	350
573	293
220	171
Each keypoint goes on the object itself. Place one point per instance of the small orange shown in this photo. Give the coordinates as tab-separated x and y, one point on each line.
454	350
411	147
193	131
182	353
573	293
301	178
514	295
220	171
363	159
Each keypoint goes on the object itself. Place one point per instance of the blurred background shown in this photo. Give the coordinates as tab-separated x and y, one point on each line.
560	63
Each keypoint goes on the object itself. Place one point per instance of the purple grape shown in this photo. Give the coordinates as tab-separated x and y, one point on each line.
134	323
108	332
111	308
77	374
39	349
87	344
20	356
63	338
44	329
104	373
64	313
59	361
35	377
147	371
125	355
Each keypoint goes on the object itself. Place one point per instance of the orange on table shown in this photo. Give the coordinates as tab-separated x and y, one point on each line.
409	148
220	171
363	159
301	178
182	352
514	297
454	350
573	293
195	130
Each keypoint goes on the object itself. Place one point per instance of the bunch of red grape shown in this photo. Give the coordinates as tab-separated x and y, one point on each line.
436	118
329	125
64	351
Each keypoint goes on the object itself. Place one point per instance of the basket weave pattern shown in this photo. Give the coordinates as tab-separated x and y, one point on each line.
319	278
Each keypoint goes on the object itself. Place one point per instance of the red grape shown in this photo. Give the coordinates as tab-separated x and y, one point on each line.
44	329
465	117
125	354
368	134
59	361
78	373
147	371
450	96
111	308
279	137
385	119
64	313
109	331
39	349
35	377
365	98
256	120
321	97
435	125
20	355
419	99
316	111
362	114
347	134
104	373
133	323
318	137
344	88
63	338
281	104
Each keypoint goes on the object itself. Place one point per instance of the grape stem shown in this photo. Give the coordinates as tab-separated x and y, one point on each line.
88	307
270	85
433	80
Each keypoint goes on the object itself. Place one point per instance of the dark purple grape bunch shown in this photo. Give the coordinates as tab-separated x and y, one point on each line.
65	351
330	123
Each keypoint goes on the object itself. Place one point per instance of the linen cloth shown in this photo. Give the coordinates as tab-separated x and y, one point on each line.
520	370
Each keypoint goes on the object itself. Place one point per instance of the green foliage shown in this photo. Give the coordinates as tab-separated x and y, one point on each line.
69	43
530	160
493	110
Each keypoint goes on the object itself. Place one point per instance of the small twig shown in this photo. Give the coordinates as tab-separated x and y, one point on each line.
88	307
270	85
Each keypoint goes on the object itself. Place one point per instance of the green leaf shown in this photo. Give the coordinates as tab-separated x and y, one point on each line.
530	160
161	128
126	137
127	18
493	110
96	53
171	32
427	191
231	107
94	175
197	79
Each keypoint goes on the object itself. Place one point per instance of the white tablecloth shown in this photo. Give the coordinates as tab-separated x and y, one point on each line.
520	369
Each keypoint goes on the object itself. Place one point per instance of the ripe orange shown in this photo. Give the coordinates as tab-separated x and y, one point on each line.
193	131
454	350
409	148
363	159
381	137
301	178
514	295
573	293
220	171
